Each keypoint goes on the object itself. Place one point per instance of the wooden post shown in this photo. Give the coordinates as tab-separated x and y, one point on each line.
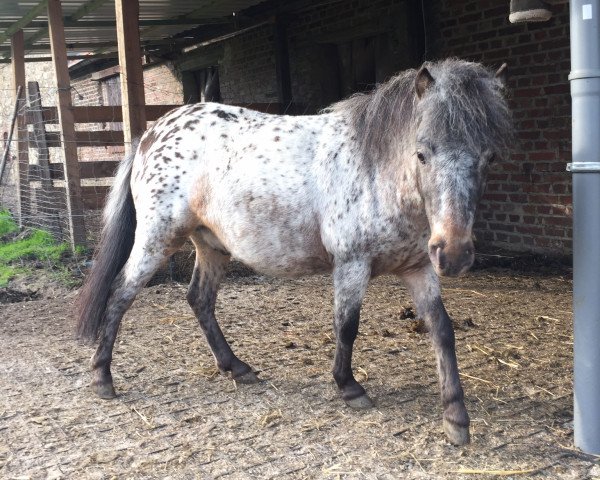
67	124
282	64
47	208
18	69
132	77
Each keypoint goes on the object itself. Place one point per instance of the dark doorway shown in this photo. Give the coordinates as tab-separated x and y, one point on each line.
202	85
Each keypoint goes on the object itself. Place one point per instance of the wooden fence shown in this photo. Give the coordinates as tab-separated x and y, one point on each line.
46	172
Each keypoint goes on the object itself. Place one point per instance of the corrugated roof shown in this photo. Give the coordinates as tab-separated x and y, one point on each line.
82	34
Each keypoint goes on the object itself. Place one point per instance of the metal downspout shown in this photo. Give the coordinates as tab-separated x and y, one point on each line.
585	93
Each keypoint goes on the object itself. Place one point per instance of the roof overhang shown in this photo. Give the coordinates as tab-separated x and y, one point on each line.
90	25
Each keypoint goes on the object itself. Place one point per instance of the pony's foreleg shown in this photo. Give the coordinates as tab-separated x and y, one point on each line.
425	290
209	270
141	265
350	280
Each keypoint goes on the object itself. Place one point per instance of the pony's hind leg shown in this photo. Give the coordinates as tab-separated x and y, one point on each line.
350	282
143	262
425	290
209	270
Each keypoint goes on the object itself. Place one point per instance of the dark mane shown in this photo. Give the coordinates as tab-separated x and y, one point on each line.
380	116
466	103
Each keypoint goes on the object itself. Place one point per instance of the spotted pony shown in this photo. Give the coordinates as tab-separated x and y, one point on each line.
385	182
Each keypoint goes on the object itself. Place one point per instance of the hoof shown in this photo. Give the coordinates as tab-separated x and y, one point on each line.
104	390
247	378
456	434
362	402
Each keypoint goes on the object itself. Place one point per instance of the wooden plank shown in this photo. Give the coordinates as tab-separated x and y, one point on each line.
67	124
86	56
132	77
154	112
99	169
114	113
160	22
98	138
82	45
18	71
92	197
48	209
101	114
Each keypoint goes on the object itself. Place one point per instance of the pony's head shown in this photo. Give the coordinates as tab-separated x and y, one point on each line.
463	125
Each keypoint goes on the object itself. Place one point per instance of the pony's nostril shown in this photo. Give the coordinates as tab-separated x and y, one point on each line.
436	247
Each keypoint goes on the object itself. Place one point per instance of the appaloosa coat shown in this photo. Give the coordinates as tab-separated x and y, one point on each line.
384	182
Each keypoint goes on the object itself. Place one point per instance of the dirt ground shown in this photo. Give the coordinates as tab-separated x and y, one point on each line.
176	418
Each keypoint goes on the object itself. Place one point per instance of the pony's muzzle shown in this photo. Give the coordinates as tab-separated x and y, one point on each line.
451	258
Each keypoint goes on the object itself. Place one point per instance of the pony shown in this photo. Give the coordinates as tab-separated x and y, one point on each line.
385	182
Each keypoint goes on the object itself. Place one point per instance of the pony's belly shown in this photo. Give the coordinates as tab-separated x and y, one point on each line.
287	267
271	254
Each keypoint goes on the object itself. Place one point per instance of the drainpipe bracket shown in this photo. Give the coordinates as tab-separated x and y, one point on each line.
584	73
583	167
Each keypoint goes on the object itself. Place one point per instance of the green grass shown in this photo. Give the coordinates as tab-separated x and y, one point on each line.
7	224
16	252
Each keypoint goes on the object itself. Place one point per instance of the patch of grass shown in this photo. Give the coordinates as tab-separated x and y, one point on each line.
40	245
15	252
7	224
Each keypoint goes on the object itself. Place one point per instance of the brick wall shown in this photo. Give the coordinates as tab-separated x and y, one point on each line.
528	203
247	70
85	92
162	85
315	31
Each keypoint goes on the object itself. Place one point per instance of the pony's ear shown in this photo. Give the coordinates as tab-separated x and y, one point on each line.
423	81
502	74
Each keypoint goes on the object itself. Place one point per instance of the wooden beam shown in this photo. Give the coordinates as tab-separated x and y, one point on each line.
166	22
95	138
114	113
96	169
71	57
86	46
67	124
94	197
99	114
132	76
23	21
18	71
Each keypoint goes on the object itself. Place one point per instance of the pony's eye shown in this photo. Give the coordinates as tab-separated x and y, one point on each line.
492	158
421	157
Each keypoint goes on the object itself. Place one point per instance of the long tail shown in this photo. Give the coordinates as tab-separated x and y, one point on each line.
116	243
